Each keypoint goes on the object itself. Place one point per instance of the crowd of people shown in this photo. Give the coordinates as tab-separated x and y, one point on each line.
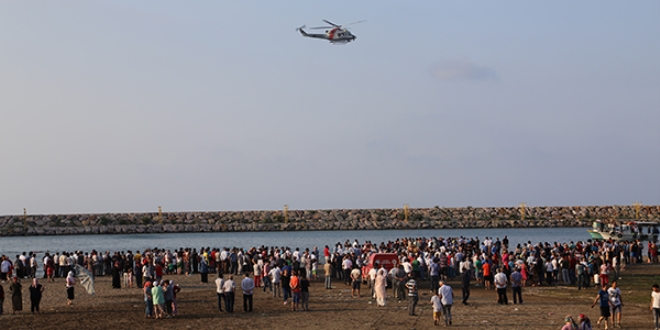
286	273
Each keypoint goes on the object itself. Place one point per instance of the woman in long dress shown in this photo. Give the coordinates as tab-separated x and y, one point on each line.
116	275
16	295
379	287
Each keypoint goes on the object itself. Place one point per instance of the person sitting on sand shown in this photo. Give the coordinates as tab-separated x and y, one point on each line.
569	323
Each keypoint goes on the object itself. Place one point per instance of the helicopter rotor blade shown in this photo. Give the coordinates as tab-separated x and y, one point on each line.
321	27
333	24
356	22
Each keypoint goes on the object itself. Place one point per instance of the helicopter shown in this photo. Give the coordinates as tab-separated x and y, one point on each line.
336	33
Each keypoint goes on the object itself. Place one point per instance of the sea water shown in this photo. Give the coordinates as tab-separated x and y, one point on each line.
11	246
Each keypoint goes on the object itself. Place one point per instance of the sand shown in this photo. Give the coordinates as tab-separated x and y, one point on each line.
543	308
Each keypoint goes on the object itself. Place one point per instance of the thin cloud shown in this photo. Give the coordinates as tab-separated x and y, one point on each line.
461	69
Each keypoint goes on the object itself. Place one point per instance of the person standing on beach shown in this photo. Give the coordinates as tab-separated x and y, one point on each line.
294	284
257	268
286	285
327	269
148	300
654	307
604	273
380	287
36	291
488	275
204	270
275	276
304	287
168	294
447	299
434	273
411	285
500	285
400	278
346	266
465	284
248	290
437	308
516	285
229	287
70	283
356	280
219	290
158	297
372	279
116	275
16	295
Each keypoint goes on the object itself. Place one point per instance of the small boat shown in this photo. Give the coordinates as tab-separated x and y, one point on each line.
625	230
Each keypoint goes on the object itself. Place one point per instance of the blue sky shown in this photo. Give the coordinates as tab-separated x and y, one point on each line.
125	106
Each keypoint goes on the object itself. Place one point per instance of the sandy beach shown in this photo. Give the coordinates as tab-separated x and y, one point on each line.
543	308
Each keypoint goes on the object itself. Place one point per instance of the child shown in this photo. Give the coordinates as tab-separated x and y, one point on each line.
437	308
128	278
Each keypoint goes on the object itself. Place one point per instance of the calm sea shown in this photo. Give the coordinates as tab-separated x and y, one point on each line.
11	246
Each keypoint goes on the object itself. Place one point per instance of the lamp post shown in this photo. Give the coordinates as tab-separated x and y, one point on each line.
522	205
638	206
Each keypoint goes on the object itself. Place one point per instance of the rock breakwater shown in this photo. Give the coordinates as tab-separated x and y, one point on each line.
296	220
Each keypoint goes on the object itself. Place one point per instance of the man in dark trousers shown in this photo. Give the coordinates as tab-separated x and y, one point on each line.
465	285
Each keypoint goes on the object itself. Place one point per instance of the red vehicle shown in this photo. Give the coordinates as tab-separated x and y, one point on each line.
387	260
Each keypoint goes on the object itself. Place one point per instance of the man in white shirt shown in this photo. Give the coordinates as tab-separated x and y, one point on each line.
219	290
248	289
275	275
655	305
63	265
614	295
346	266
447	299
500	284
372	279
229	287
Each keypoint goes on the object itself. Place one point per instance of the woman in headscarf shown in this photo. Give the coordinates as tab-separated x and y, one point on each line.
379	287
569	323
36	291
204	270
116	275
70	282
16	295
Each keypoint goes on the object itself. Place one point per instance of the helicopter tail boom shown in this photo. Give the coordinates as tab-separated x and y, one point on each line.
300	29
